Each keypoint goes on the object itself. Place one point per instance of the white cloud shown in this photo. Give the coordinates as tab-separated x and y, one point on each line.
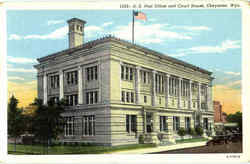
153	33
233	73
21	70
192	28
53	22
14	37
223	47
20	60
15	78
59	33
91	31
107	24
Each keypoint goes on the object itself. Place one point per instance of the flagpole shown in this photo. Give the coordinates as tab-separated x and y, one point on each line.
133	23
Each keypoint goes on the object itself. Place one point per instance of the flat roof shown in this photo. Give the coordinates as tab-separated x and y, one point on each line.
90	44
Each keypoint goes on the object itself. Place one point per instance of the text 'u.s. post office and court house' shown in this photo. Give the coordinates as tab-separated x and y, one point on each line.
116	91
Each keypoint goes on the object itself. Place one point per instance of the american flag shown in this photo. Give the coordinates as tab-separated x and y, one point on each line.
140	15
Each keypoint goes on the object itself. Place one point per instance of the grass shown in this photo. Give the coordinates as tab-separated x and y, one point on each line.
191	140
53	150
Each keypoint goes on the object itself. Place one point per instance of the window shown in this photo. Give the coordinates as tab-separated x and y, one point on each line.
72	78
185	88
145	99
205	123
176	123
92	97
187	123
163	123
92	73
131	73
54	81
54	99
159	100
127	73
128	97
159	83
173	86
132	97
88	125
122	72
72	100
193	104
123	96
131	123
144	77
69	126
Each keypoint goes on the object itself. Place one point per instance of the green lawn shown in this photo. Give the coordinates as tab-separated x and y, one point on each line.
191	140
38	149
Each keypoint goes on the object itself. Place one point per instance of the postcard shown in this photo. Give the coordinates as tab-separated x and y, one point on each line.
124	81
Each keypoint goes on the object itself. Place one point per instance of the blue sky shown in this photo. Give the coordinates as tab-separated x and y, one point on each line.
210	39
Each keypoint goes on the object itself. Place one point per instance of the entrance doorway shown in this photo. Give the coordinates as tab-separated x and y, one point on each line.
149	122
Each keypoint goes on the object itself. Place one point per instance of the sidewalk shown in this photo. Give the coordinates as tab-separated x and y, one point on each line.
162	148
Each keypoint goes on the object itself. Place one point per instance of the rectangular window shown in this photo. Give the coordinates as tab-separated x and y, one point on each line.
122	72
72	77
176	123
54	81
145	99
205	123
126	75
163	123
92	73
96	75
132	97
187	123
88	125
159	100
127	96
131	73
69	126
72	100
123	96
96	96
131	123
144	77
92	97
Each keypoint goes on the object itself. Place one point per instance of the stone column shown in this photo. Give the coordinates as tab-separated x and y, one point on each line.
199	96
179	93
190	94
61	92
45	88
210	101
80	91
145	121
153	89
167	90
137	85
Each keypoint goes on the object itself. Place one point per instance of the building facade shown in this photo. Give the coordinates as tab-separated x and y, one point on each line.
117	91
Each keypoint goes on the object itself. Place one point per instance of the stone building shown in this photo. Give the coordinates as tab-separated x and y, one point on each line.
117	91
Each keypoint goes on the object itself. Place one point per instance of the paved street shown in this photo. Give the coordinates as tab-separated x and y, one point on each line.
226	148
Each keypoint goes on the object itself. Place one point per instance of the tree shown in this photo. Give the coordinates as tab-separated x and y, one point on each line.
236	118
15	120
48	122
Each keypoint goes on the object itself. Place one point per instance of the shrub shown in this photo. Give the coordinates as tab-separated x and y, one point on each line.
181	132
209	133
141	139
199	131
191	132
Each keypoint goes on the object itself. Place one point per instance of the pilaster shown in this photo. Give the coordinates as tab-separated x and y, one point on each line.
137	85
179	93
167	90
153	89
61	92
190	94
80	90
45	88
